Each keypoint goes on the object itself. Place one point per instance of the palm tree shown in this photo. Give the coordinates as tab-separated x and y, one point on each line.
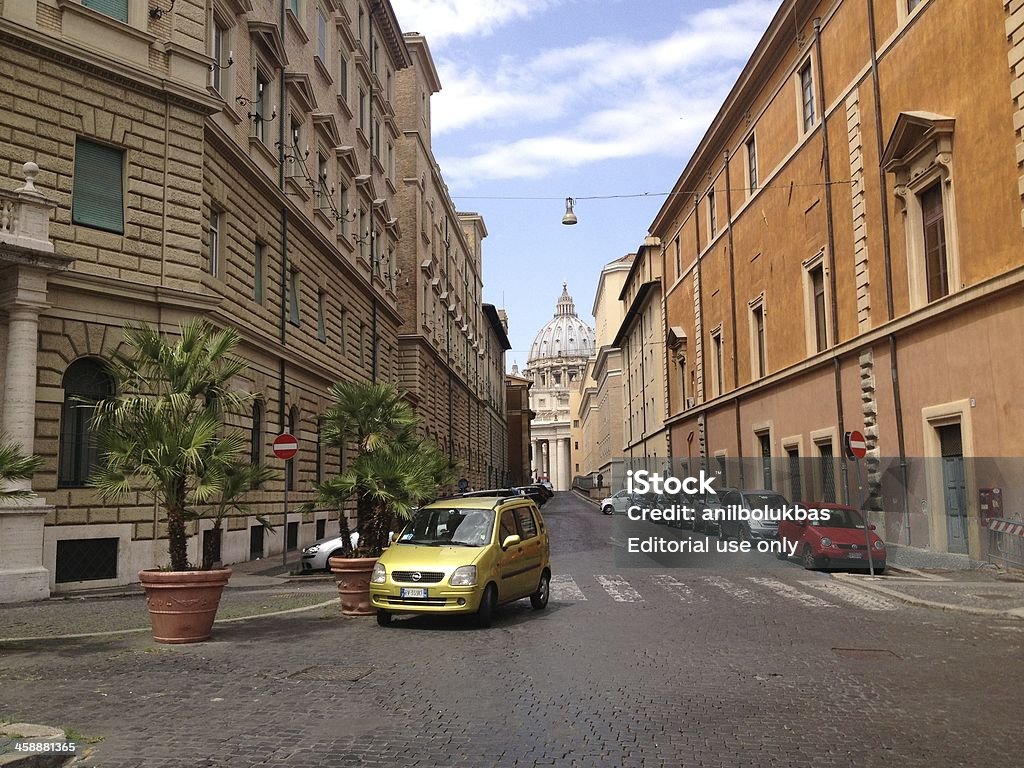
165	428
394	469
15	465
239	479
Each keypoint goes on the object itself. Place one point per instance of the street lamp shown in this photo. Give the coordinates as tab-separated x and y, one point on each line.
570	217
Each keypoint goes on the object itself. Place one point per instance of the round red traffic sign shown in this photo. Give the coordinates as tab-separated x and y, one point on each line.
856	445
285	446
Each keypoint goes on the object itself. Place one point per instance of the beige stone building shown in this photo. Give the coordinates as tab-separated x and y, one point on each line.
598	404
844	251
517	405
556	362
235	159
641	341
451	345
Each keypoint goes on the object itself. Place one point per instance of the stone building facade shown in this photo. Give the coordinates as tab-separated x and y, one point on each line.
597	404
234	159
557	359
451	345
517	405
844	251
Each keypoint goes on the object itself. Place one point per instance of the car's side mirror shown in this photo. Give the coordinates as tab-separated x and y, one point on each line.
872	526
510	541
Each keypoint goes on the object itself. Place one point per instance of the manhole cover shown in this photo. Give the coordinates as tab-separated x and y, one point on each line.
331	673
866	654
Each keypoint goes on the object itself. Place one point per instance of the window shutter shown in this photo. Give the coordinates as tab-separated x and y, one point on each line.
116	9
98	194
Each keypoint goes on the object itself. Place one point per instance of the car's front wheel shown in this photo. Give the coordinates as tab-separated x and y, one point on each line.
383	618
485	613
609	509
808	558
539	599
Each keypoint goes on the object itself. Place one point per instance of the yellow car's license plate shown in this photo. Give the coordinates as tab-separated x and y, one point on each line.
412	592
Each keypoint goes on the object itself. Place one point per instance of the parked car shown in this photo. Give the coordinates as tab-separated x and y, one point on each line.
617	503
689	505
754	528
704	503
316	555
464	556
838	542
537	493
547	484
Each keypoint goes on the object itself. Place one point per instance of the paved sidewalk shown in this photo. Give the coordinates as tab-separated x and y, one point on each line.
992	593
126	612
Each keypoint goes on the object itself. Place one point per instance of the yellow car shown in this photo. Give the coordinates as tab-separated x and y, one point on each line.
465	556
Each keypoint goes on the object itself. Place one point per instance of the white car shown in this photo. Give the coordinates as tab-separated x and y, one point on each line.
617	503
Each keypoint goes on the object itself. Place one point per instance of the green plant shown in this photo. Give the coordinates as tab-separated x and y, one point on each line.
165	429
394	469
15	465
239	479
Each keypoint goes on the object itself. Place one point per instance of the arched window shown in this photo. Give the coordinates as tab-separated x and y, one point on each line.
85	382
256	436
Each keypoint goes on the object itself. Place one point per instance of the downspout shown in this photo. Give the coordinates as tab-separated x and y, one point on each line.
898	402
887	250
837	368
732	306
700	313
373	229
283	321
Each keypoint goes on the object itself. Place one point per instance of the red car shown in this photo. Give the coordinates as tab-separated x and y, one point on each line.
836	543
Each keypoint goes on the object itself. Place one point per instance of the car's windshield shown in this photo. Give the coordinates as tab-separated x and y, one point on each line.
840	518
449	526
771	501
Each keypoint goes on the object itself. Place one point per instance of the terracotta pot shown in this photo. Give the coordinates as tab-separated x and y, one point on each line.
183	604
353	577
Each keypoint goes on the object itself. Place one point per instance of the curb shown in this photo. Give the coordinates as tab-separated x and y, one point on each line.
111	632
580	496
1014	613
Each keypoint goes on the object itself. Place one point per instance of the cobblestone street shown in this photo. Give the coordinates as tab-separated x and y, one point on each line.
770	665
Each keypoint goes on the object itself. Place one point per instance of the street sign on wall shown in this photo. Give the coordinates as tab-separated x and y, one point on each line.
285	446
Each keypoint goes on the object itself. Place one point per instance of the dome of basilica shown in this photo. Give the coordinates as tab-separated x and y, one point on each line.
563	336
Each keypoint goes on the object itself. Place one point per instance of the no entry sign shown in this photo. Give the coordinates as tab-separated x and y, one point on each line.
285	446
856	445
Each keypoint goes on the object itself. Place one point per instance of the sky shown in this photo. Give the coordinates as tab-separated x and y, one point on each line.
547	99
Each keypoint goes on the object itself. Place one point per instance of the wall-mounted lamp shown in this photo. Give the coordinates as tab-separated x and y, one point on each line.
245	101
231	60
570	217
158	13
348	215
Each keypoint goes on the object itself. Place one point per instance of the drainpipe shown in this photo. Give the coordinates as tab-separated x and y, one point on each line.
283	317
373	229
826	162
883	199
732	307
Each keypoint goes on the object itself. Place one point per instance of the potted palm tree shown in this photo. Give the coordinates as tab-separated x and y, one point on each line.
15	465
392	472
165	430
239	480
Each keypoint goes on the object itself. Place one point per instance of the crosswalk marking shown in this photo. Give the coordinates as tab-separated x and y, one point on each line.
742	594
854	596
790	593
677	589
619	589
564	589
746	590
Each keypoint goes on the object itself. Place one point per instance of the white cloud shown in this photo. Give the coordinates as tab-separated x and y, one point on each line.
440	20
602	99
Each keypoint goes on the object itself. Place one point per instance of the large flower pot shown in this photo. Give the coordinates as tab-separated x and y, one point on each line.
183	604
353	577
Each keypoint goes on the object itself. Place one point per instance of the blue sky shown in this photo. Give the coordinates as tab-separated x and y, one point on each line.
547	99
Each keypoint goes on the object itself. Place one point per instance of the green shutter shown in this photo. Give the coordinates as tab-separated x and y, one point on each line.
116	9
98	196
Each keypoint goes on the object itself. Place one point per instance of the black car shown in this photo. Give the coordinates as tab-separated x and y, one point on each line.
536	493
